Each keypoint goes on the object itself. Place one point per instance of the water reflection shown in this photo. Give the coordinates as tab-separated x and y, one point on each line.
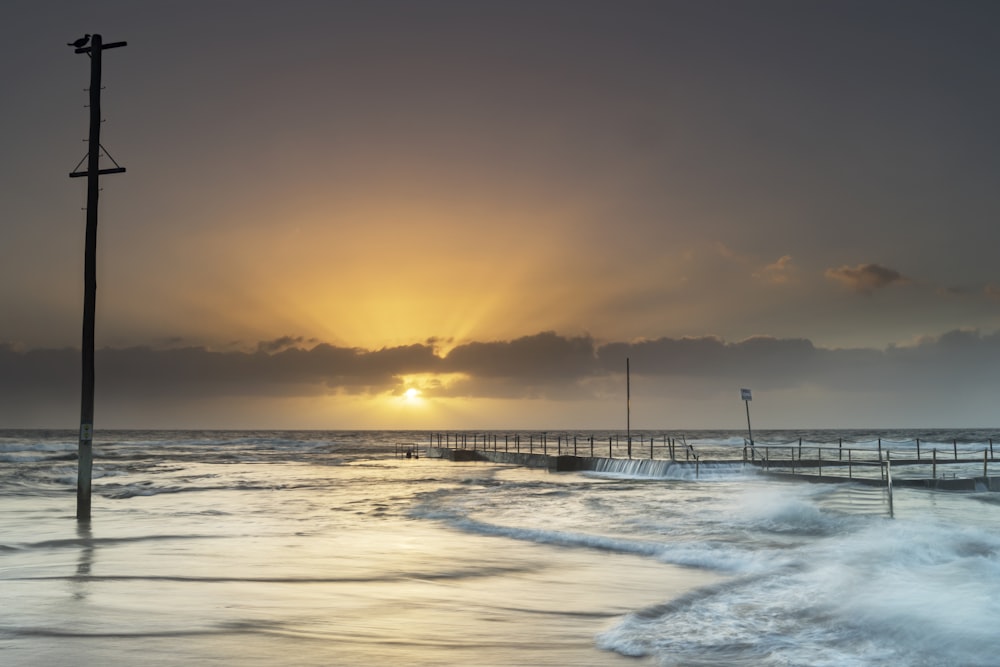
85	562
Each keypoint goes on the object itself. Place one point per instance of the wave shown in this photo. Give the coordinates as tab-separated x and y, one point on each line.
894	592
716	555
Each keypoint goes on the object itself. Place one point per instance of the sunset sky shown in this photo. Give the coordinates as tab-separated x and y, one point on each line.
455	214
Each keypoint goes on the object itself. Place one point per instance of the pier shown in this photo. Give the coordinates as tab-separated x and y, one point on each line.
960	467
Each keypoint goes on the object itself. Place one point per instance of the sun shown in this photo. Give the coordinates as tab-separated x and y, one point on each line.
411	395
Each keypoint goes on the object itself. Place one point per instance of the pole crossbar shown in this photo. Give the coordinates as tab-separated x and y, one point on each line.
101	172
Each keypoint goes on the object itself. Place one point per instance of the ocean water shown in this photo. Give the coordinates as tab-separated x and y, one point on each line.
328	548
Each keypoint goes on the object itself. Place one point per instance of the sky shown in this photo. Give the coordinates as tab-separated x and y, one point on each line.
441	214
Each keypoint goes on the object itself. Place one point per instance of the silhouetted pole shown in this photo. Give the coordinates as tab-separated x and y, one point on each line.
86	454
628	408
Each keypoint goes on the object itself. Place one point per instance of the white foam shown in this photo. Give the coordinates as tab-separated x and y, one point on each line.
891	592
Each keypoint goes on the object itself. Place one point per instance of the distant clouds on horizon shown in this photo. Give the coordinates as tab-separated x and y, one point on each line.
544	365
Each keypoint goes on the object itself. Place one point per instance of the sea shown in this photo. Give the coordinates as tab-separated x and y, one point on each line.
311	548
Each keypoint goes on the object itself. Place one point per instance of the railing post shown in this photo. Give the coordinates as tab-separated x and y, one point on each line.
850	466
888	481
954	445
840	449
819	460
934	463
918	449
611	453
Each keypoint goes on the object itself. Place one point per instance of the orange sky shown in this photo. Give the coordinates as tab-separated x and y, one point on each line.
445	174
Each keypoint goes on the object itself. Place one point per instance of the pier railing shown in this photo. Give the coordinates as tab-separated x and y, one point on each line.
911	460
543	442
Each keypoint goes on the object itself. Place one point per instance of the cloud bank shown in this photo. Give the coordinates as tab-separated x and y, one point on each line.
546	366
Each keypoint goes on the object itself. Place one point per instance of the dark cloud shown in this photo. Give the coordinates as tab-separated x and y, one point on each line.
292	371
199	372
284	343
542	366
544	355
768	361
865	278
52	371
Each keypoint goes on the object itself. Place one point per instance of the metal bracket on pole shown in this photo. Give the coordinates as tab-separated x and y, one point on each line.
117	170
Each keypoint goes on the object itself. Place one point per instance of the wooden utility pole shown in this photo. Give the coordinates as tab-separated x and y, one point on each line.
93	172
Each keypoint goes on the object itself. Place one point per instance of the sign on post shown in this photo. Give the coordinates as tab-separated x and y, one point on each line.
746	398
